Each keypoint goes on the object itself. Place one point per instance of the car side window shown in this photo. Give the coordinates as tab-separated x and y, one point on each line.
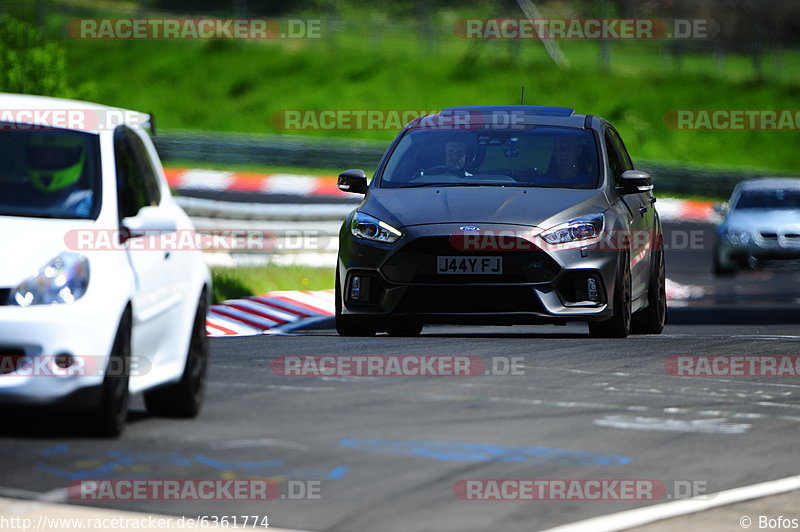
132	193
621	150
146	170
615	161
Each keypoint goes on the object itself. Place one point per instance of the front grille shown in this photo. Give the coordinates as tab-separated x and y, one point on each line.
469	299
416	264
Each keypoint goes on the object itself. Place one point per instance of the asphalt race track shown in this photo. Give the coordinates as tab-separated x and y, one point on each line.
387	452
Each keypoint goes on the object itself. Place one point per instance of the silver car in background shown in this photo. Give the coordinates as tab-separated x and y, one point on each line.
761	226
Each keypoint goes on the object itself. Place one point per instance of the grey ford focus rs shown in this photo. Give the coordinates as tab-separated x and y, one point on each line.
502	215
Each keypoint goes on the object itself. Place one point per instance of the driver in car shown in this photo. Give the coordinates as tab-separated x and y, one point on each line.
565	163
55	165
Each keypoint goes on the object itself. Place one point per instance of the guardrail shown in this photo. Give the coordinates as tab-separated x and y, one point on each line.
310	152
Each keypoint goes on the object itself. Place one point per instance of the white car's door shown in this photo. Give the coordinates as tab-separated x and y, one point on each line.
156	298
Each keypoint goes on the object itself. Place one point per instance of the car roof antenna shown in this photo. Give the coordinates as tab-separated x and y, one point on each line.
522	100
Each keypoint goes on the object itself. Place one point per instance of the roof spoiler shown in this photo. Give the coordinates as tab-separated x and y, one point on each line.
150	123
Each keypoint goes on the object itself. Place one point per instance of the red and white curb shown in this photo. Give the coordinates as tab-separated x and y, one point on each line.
679	210
281	184
270	313
282	311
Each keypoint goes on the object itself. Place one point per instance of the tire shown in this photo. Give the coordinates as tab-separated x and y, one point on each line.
349	325
720	270
108	418
651	319
185	397
619	325
405	328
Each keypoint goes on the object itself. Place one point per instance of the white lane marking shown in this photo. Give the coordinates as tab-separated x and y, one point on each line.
784	405
260	442
605	406
709	426
659	512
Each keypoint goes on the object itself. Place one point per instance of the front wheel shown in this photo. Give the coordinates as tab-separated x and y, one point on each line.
651	319
184	398
619	325
108	418
719	269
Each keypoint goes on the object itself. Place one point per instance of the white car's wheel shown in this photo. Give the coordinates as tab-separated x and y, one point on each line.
109	416
185	397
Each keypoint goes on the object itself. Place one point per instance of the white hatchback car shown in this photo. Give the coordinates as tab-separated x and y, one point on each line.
90	309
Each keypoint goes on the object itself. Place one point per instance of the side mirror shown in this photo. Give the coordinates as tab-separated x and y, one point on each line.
353	181
148	220
636	182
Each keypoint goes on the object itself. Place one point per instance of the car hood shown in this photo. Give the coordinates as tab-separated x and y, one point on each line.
29	243
762	219
540	207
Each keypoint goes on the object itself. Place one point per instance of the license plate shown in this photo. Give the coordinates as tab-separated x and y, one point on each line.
470	265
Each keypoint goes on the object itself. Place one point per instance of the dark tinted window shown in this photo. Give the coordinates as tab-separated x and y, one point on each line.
616	161
772	198
625	158
132	190
145	165
540	156
49	173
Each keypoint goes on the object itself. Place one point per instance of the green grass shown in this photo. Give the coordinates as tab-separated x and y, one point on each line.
232	283
255	168
238	86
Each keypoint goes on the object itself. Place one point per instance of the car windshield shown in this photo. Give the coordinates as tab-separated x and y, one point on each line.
769	198
540	156
49	173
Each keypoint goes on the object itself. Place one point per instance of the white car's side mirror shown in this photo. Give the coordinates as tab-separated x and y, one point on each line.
149	220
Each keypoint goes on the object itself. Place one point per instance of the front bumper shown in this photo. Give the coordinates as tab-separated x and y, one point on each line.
32	339
536	286
739	255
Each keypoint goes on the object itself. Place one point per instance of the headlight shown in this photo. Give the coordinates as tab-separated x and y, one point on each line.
370	228
577	230
62	280
739	238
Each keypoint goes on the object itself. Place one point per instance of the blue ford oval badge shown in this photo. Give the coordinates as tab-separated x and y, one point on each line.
469	228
